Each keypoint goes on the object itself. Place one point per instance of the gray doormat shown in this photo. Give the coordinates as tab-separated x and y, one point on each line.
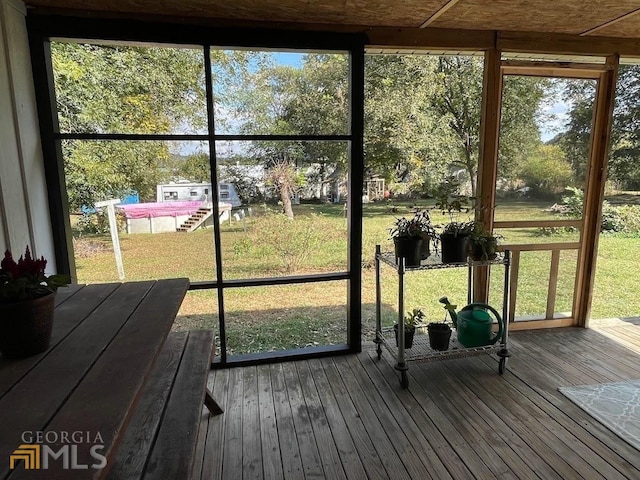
616	405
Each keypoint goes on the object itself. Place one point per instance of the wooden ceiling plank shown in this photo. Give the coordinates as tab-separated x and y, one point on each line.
439	13
611	22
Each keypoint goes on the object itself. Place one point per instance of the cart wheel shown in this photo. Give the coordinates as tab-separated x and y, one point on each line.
503	365
404	379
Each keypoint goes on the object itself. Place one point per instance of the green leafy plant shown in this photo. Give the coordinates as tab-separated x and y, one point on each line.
413	318
25	279
450	203
484	244
417	226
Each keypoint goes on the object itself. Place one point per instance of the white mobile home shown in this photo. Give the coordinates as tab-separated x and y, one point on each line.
187	191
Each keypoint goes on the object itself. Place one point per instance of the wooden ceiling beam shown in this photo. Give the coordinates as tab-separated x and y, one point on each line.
438	13
431	38
566	44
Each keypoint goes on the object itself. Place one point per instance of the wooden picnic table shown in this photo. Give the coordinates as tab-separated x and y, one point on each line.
105	341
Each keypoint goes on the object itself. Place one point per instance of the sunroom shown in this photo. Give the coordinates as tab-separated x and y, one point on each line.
306	392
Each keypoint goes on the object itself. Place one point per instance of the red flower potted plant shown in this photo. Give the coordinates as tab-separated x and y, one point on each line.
26	305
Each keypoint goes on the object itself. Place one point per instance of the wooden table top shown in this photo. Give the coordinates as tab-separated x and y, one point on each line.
105	341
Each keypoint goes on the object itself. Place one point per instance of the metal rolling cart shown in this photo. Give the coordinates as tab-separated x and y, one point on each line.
421	351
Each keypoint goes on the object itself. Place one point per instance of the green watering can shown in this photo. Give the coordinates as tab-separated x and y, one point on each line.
474	324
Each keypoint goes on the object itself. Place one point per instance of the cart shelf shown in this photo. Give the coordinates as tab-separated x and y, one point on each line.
421	350
434	262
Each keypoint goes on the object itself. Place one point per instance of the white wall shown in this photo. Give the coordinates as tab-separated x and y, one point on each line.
24	209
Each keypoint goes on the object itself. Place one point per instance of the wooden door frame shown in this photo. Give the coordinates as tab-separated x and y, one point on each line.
606	75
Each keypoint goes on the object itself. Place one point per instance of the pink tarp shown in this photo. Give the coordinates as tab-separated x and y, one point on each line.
163	209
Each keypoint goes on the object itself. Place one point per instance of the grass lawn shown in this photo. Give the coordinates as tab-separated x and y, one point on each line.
292	316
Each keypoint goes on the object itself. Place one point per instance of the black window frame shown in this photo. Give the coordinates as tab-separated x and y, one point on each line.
43	28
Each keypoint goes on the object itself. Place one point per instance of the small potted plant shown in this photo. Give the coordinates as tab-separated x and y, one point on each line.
439	334
454	239
26	305
483	244
412	237
411	320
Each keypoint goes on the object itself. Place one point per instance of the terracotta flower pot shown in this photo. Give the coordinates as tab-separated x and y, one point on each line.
25	327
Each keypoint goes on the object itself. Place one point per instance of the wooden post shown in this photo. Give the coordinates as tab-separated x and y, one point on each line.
594	196
488	159
113	227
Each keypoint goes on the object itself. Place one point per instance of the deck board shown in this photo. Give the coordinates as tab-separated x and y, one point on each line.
347	417
272	466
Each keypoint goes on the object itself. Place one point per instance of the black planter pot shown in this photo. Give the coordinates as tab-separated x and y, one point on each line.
425	249
455	248
25	327
408	336
410	249
439	336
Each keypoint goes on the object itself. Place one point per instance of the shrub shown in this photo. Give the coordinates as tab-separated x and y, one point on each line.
547	172
292	241
98	223
629	216
625	219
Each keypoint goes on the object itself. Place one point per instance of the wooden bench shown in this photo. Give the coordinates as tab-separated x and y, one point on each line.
160	440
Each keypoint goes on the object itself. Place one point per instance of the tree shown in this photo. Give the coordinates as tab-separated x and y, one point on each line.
309	99
283	177
195	167
403	138
422	116
459	99
126	89
625	135
575	140
624	157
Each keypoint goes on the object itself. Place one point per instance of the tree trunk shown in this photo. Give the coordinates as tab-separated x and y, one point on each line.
285	197
470	170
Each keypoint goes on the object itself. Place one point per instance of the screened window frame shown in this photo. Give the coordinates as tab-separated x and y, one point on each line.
43	29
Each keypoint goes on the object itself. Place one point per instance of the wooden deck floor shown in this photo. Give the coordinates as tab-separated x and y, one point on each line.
348	418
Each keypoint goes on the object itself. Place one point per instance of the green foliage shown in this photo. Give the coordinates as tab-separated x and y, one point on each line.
547	171
615	219
450	203
484	244
629	219
98	223
291	241
522	99
624	160
413	319
195	168
126	89
417	226
574	203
